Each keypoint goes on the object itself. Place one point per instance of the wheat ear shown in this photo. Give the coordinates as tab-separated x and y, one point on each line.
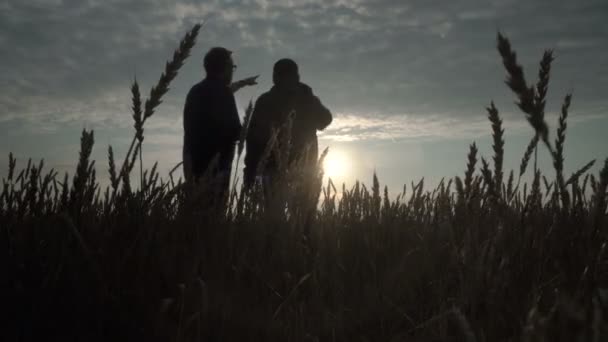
558	155
157	92
498	146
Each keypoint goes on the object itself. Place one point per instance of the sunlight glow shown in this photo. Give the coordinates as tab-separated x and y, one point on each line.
337	165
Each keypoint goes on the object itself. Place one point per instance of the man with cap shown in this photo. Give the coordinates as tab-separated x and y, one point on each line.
211	122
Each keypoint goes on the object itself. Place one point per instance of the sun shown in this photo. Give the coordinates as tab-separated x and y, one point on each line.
337	164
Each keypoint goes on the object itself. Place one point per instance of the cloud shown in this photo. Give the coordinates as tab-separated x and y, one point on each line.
578	43
73	61
350	128
477	14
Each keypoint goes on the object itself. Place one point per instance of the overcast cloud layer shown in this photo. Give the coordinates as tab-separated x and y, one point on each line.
388	70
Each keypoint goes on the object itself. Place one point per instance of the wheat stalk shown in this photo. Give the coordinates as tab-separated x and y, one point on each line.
527	154
471	164
12	162
600	196
558	155
543	81
526	95
137	112
241	145
245	127
498	146
575	176
82	169
535	191
112	169
157	91
488	179
518	85
171	69
459	188
510	189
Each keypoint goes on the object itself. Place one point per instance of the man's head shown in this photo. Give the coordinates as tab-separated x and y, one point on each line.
285	73
218	64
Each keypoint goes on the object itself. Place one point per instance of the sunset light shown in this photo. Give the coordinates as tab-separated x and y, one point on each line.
337	165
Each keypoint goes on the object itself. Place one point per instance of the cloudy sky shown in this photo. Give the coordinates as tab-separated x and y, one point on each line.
407	81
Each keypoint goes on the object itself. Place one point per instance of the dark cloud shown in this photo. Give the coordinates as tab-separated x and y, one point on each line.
71	62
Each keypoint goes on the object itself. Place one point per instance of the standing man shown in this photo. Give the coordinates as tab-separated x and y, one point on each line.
211	122
272	110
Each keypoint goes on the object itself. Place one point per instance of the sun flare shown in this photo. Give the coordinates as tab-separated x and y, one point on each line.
337	165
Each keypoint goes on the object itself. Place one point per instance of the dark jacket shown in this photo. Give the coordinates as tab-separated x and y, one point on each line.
211	126
271	111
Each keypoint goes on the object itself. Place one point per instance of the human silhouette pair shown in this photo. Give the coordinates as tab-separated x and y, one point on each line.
212	126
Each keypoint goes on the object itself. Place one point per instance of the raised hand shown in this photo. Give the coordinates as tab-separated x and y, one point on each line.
249	81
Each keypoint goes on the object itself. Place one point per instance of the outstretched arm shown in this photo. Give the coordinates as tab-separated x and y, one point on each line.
249	81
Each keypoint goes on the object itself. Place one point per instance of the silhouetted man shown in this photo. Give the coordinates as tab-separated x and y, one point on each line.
211	122
271	112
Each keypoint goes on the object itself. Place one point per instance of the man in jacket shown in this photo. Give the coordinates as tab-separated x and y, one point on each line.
211	122
271	112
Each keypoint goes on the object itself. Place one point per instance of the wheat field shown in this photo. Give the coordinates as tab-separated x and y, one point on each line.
482	257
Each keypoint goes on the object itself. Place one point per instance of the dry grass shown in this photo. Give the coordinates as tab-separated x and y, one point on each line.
490	261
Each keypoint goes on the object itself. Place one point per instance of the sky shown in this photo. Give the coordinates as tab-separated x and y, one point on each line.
407	81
